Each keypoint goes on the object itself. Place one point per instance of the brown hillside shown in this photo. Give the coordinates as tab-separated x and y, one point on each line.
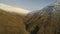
11	23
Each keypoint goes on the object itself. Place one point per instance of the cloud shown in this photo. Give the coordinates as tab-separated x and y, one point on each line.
13	9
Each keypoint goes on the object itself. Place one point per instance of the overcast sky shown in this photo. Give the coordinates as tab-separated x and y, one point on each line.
28	4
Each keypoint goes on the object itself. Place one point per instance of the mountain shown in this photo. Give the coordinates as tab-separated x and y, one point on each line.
13	9
45	21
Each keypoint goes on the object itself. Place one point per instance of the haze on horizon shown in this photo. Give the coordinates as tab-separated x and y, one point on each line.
28	4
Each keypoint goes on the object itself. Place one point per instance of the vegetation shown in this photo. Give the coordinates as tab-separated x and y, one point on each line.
11	23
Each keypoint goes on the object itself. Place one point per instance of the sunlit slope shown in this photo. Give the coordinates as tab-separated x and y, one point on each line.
11	23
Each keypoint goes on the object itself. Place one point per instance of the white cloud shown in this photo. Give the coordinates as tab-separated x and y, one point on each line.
13	9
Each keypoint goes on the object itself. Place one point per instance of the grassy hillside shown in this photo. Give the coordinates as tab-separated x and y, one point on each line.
11	23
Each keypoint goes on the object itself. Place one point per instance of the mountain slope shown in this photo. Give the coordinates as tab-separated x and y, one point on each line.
45	21
11	23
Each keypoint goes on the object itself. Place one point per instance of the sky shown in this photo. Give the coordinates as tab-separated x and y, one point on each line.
28	4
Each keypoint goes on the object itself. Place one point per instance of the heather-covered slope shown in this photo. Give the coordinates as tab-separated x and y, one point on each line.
11	23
